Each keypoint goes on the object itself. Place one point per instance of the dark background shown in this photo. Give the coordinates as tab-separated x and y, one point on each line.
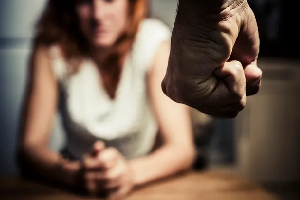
279	27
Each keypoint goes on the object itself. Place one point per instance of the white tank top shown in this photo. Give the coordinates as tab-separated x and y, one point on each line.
88	114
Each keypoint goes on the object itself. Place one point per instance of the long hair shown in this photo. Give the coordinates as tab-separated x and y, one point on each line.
59	25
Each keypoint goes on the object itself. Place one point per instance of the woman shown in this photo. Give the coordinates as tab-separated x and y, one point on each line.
101	63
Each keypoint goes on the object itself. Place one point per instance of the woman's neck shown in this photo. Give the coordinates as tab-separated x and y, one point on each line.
108	71
99	54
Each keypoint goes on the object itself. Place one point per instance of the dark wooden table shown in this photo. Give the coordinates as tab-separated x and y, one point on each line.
212	185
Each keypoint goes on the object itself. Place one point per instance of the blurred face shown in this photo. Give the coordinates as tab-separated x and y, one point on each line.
102	21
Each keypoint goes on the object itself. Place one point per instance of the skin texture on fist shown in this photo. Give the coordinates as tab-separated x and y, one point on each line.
212	65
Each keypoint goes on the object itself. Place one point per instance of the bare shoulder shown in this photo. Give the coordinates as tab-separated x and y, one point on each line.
43	57
46	52
40	64
161	57
164	48
152	32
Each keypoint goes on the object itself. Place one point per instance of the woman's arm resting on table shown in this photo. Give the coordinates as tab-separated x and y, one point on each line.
177	152
34	154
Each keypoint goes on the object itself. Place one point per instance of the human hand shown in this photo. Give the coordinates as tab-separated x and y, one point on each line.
207	35
107	172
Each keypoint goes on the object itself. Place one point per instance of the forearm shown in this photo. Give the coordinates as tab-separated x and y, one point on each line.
47	164
161	163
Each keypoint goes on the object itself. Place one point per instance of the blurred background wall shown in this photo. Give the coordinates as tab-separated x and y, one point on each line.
17	18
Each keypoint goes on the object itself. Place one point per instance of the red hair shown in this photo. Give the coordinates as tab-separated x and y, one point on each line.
59	25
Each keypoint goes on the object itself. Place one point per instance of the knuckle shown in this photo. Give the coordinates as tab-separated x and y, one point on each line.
237	95
241	105
238	106
260	74
112	184
108	153
256	80
112	153
105	165
109	176
109	163
171	87
115	184
236	69
189	91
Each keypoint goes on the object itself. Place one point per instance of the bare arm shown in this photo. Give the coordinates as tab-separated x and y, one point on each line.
35	156
177	152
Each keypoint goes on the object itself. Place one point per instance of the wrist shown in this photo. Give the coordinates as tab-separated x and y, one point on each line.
70	172
138	177
133	173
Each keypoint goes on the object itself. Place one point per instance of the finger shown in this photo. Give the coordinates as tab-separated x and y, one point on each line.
90	183
253	77
234	107
90	162
111	178
109	184
91	188
232	82
228	111
233	74
227	85
115	195
108	158
119	193
98	184
252	72
97	147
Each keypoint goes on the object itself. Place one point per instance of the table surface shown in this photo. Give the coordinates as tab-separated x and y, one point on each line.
211	185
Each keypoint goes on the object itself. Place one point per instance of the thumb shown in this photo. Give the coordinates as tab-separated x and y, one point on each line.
253	77
252	72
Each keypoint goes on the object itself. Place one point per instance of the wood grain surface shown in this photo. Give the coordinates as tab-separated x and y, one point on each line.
211	185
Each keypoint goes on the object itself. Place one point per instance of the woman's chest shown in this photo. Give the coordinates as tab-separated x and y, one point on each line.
87	103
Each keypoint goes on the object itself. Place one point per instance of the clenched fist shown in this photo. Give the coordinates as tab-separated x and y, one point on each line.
212	65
